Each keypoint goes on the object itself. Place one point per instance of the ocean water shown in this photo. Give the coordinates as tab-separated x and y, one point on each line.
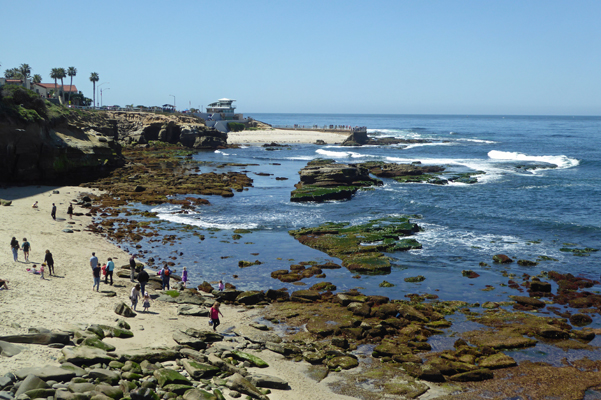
541	192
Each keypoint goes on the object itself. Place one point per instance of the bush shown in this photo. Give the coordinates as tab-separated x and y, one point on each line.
21	103
235	126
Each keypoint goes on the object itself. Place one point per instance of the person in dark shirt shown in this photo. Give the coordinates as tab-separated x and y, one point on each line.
49	261
96	274
132	268
143	279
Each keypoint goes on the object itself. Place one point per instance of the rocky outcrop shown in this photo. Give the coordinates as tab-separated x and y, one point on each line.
140	127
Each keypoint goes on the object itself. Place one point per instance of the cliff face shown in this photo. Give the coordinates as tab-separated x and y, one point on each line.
63	153
139	127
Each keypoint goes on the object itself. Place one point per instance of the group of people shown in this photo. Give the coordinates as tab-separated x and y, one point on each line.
53	210
25	246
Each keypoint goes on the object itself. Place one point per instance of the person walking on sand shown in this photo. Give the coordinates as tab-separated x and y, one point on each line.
93	261
143	279
132	267
96	275
26	247
14	245
110	267
146	301
214	315
70	211
135	294
166	275
53	212
50	262
185	277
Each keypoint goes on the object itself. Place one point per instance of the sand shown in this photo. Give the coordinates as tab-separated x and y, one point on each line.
285	136
60	301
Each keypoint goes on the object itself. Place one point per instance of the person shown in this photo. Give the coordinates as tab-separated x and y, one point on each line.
26	247
42	268
35	205
53	212
221	286
70	211
143	279
49	261
3	283
146	301
214	315
33	270
166	275
93	261
96	275
132	268
110	267
135	294
14	245
185	276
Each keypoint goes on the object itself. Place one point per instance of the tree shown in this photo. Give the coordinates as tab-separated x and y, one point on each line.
55	74
94	78
12	73
25	71
37	78
71	71
62	73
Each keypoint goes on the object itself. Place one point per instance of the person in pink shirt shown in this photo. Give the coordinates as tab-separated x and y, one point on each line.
214	315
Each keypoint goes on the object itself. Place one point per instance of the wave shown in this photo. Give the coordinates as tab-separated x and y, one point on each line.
341	154
477	141
562	162
188	219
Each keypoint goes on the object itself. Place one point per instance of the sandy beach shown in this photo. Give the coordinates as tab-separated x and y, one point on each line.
67	299
285	136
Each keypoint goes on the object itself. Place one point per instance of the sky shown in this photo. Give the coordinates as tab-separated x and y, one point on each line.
374	57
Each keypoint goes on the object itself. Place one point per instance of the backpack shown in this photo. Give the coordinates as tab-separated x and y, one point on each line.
166	272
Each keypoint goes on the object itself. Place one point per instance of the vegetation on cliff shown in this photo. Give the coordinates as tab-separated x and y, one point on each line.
20	105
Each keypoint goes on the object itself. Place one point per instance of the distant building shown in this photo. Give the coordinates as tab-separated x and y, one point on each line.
44	89
223	107
4	81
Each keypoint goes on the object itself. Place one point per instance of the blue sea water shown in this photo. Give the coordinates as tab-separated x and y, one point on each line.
540	192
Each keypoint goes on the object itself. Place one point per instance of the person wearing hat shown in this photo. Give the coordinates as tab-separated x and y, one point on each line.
143	279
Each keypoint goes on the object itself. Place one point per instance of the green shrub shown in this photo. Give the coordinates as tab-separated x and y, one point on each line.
235	126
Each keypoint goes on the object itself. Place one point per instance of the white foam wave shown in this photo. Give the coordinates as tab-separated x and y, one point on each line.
340	154
477	141
300	158
561	161
413	145
188	220
224	153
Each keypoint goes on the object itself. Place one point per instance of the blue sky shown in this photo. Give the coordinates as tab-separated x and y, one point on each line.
398	57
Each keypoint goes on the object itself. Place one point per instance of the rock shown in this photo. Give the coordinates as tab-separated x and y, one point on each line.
73	368
193	311
38	338
85	355
152	355
105	375
418	278
46	373
123	309
343	362
528	301
411	314
472	376
275	295
166	376
305	296
527	263
205	336
580	320
238	383
267	381
40	393
538	286
284	349
95	342
8	349
177	388
30	382
502	259
114	392
497	361
256	361
361	309
261	327
199	370
143	394
81	387
250	297
425	372
198	394
469	273
227	295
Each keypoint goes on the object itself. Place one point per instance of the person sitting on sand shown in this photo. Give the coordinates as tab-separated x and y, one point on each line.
33	270
3	283
35	205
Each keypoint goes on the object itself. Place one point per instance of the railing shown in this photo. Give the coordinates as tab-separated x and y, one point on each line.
333	128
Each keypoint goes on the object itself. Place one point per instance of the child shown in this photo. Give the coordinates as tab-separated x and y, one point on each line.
146	301
221	287
42	270
214	315
185	277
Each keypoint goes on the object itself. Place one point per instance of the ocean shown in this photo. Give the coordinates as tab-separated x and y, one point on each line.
539	195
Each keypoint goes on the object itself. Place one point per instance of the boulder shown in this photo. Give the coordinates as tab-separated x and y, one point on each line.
152	355
529	301
472	376
197	394
29	383
123	309
343	362
497	361
267	381
8	349
199	370
238	383
305	296
143	394
85	355
166	376
254	360
502	259
250	297
192	310
187	340
580	320
105	375
46	373
38	338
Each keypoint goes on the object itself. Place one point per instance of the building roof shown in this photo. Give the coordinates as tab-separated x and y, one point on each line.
66	88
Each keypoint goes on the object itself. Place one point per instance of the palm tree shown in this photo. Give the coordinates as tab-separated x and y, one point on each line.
71	71
55	74
25	71
62	74
12	73
94	78
37	78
